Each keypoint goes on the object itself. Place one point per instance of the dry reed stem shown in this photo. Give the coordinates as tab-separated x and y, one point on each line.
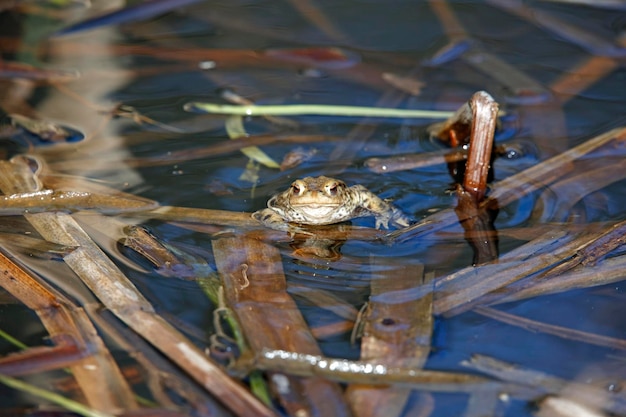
118	294
358	372
461	290
412	161
536	265
562	332
92	366
607	272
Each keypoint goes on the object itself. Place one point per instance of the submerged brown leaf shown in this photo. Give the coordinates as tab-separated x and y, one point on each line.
255	290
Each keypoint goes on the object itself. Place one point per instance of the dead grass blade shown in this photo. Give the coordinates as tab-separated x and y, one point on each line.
69	201
461	290
118	294
563	332
607	272
91	364
538	263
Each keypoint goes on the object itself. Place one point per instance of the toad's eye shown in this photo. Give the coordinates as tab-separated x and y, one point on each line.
332	188
297	188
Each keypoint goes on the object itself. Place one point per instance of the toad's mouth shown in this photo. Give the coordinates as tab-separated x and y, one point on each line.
304	206
318	211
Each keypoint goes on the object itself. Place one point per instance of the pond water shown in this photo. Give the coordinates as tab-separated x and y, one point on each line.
556	69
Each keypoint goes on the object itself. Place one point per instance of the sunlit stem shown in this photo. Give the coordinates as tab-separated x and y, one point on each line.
4	335
314	109
52	397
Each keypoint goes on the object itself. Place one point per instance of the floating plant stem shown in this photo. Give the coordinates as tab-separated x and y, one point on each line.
71	405
313	109
7	337
348	371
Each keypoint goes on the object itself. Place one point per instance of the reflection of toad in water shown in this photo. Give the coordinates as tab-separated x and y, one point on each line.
322	244
324	201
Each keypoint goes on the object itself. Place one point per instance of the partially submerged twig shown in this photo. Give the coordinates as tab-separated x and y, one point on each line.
484	119
476	219
359	372
520	184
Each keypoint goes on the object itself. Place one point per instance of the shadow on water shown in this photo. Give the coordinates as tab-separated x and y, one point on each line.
101	115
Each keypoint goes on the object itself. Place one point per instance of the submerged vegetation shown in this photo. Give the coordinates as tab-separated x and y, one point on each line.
139	139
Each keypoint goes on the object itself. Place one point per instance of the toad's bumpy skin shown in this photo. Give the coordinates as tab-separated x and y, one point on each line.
323	200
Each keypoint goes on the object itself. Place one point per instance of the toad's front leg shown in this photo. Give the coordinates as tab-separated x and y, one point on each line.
383	211
271	219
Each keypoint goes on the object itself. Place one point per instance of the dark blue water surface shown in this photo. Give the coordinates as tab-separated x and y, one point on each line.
153	65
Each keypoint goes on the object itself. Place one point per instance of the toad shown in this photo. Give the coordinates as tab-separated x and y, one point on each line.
323	200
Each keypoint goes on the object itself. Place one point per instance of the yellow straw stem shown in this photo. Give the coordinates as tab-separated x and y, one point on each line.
313	109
